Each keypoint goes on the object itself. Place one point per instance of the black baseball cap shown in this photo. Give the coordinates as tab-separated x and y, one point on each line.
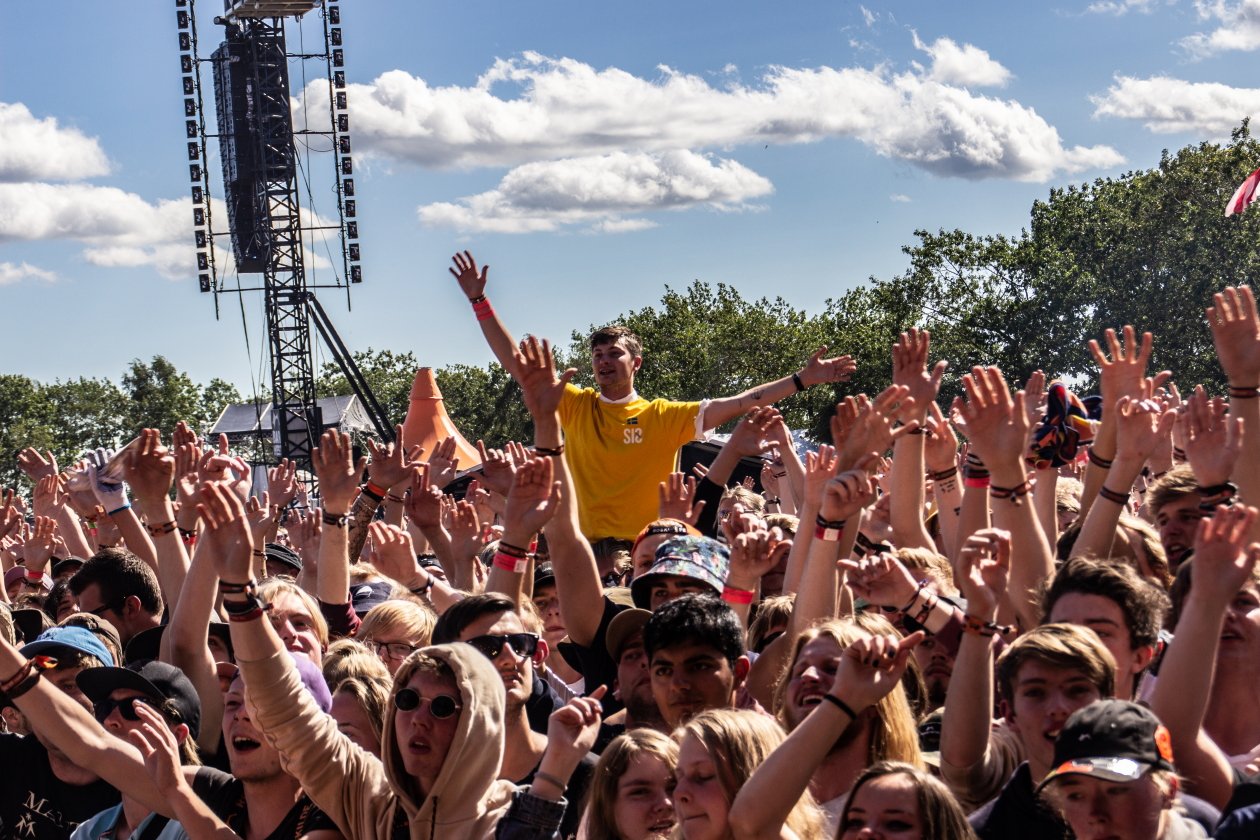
1114	740
163	684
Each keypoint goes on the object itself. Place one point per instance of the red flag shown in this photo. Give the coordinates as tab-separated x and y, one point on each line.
1245	194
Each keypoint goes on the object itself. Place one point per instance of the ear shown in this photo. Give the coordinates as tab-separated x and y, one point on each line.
1007	711
181	733
1142	657
541	653
616	690
742	666
638	362
131	605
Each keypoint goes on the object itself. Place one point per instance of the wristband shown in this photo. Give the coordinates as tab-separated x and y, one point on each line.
513	551
828	530
121	509
335	520
1228	488
796	380
773	500
423	591
1243	393
161	528
943	474
482	309
929	604
398	500
978	627
237	588
247	610
915	597
1113	496
34	664
841	705
1179	454
550	779
367	489
552	453
510	562
731	595
1098	460
972	480
1014	495
23	687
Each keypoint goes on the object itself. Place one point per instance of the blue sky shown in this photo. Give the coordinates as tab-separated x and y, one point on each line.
590	153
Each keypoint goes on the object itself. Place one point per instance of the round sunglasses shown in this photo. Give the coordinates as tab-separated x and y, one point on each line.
522	644
441	707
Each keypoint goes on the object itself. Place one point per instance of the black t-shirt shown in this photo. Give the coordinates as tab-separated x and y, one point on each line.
225	795
1017	812
594	663
34	803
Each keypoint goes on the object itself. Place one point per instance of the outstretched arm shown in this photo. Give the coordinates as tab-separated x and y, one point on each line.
473	285
816	372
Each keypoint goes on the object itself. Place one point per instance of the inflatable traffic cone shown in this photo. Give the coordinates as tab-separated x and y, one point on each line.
427	422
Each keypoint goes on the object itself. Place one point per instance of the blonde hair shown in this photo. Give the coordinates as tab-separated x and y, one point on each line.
894	735
348	659
372	695
739	741
413	621
773	612
273	586
621	752
928	562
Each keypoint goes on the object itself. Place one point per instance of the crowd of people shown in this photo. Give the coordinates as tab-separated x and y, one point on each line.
1023	615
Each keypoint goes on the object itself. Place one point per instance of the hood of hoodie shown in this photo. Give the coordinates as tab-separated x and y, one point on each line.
465	789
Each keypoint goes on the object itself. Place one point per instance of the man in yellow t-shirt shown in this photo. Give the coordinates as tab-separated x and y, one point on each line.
620	446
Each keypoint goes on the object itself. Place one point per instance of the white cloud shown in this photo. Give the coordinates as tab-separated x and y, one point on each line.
1238	29
32	149
11	273
900	198
964	64
1168	106
868	16
599	191
535	108
1120	7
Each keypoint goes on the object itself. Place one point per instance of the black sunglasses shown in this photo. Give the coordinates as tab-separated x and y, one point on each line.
127	708
116	606
522	644
441	707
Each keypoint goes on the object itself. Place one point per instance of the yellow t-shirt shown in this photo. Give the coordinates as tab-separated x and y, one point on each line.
619	453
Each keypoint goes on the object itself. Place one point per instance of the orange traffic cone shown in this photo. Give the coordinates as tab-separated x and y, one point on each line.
427	422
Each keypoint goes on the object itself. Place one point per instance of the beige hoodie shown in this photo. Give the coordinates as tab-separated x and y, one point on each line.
366	797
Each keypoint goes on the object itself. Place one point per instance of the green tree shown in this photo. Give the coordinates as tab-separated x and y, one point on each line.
160	396
387	373
24	421
485	403
215	397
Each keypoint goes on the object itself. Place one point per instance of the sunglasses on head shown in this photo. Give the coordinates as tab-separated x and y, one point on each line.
441	707
522	644
127	708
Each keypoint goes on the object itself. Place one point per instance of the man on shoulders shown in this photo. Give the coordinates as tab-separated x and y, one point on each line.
621	446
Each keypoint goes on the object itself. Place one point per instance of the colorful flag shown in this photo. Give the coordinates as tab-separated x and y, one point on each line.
1245	194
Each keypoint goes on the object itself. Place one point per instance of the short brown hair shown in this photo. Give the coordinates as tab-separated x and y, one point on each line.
1172	486
1066	646
615	333
1143	603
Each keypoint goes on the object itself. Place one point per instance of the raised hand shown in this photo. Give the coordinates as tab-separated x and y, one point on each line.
997	424
845	495
226	537
222	466
1236	332
48	496
880	579
941	452
818	370
497	469
820	468
1141	426
677	499
471	283
150	469
532	501
770	479
752	434
258	513
571	731
158	748
395	553
1124	373
393	464
910	356
754	554
536	373
984	571
871	667
305	531
337	470
424	503
1222	559
35	465
1035	397
40	544
443	464
1210	438
282	484
873	429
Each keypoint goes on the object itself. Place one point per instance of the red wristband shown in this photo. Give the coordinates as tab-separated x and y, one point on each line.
377	490
483	310
33	576
737	596
508	563
976	482
826	534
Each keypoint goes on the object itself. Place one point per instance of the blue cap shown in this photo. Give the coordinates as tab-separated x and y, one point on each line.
75	638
